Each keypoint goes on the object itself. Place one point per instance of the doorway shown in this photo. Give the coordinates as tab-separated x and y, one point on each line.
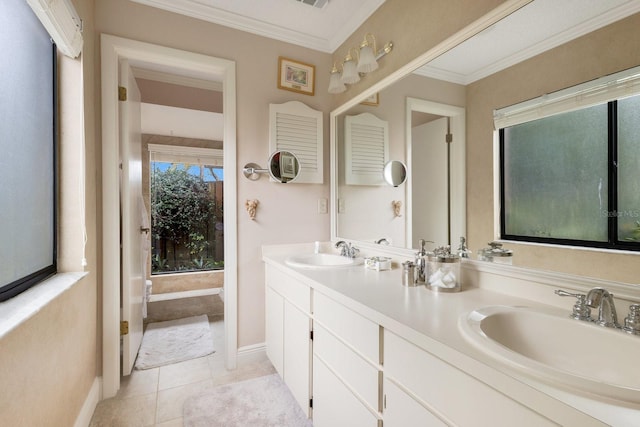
179	63
436	183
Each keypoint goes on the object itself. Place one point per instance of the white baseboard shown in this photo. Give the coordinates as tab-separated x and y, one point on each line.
252	349
88	408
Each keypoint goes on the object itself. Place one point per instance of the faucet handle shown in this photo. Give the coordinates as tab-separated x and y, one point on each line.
354	252
581	310
632	321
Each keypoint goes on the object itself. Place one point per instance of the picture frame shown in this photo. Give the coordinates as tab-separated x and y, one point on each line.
373	100
296	76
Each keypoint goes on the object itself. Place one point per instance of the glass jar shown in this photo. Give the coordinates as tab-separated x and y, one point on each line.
443	271
495	253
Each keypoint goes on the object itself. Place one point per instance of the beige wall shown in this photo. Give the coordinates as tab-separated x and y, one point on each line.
49	363
614	48
286	213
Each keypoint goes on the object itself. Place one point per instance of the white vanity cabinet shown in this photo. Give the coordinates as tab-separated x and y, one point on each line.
347	372
287	332
421	389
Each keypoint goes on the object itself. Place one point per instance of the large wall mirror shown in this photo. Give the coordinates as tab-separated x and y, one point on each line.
450	187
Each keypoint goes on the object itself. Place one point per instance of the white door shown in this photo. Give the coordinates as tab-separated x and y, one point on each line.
132	236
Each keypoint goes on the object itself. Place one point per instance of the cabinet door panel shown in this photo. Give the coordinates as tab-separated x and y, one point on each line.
333	403
274	328
361	333
361	375
401	410
297	354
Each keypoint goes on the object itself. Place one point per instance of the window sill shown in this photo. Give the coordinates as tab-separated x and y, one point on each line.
19	309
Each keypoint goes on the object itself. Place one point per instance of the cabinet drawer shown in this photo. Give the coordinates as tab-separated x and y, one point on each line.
333	403
362	334
454	395
352	369
401	410
299	294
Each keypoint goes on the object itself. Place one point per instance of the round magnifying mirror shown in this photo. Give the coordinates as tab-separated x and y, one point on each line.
284	166
394	173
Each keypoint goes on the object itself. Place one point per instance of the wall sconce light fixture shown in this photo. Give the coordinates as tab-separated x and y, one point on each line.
364	60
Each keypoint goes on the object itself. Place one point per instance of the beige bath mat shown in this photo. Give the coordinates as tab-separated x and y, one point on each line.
260	402
174	341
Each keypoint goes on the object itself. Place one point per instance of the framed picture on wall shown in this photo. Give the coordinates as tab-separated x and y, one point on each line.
296	76
372	100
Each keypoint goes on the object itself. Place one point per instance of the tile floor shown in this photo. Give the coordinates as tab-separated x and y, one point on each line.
155	397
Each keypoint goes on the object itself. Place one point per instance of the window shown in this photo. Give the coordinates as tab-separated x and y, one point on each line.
186	195
573	178
28	139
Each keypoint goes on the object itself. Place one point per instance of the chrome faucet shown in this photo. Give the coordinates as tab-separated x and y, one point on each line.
601	298
346	249
581	310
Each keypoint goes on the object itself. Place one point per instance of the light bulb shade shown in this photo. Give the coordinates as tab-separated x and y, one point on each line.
349	72
335	84
367	62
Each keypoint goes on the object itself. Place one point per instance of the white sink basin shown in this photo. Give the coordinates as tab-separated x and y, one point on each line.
550	346
321	261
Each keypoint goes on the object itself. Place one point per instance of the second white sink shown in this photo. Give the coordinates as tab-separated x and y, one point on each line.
321	261
550	346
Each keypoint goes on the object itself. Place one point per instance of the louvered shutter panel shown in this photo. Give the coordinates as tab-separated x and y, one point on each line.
297	128
367	149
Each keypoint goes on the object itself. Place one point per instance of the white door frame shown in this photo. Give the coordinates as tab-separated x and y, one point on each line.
179	62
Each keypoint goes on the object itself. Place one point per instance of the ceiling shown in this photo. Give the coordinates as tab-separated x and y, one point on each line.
539	26
323	29
535	28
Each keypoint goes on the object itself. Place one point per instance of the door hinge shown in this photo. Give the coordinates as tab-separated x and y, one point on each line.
311	403
122	93
311	335
124	327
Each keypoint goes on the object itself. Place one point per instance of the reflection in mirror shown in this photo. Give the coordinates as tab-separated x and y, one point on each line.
394	173
363	212
464	77
436	143
284	166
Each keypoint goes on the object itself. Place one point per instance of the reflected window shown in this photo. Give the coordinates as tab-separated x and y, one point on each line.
572	178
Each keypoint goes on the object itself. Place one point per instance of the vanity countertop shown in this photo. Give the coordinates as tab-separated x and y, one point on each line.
430	320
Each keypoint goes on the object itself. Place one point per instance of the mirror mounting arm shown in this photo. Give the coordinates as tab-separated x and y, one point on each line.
252	171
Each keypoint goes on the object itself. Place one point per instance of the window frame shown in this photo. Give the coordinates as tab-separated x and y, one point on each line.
22	284
613	242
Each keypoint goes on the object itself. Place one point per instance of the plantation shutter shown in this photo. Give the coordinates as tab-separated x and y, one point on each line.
297	128
367	149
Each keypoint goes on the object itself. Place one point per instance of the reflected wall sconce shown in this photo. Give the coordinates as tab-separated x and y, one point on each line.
358	64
